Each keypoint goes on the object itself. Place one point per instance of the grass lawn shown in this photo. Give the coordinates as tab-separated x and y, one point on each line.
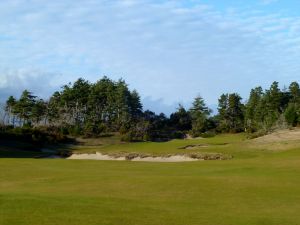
257	187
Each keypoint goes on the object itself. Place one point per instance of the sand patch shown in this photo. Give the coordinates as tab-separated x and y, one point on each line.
100	156
136	157
175	158
96	156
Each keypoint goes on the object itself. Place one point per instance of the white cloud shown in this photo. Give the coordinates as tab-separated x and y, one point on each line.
13	82
164	49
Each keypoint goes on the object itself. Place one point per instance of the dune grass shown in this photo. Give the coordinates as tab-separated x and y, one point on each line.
257	187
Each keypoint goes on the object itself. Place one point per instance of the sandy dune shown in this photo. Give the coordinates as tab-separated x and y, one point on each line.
278	140
280	135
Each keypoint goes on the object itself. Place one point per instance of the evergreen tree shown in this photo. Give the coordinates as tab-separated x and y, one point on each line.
295	92
252	111
199	114
10	107
122	105
273	105
235	113
231	113
181	119
136	107
23	107
54	110
292	112
223	116
39	111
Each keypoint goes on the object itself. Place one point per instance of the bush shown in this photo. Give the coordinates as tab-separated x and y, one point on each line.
37	136
75	131
178	135
123	129
128	137
257	134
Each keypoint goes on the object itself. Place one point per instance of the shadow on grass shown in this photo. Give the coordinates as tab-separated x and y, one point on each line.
18	149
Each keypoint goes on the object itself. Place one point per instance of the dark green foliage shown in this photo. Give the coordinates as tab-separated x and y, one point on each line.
181	120
294	90
223	123
106	106
235	113
39	137
80	108
231	113
199	115
157	128
273	108
253	110
292	114
38	111
10	107
24	107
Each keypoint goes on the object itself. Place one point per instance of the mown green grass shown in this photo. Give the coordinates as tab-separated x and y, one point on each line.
257	187
222	143
236	145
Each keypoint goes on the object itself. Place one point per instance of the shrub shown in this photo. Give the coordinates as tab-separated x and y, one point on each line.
257	134
75	130
37	136
128	137
178	135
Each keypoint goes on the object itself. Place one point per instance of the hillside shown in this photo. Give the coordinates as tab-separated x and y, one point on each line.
278	140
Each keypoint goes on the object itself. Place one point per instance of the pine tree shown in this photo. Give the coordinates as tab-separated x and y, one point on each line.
235	113
181	119
295	92
223	113
135	104
273	105
252	112
10	105
199	114
23	107
38	111
231	115
292	112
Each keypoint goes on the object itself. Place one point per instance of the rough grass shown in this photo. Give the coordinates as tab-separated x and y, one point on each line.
256	187
278	140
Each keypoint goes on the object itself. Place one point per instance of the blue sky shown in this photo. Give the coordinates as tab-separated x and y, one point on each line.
170	51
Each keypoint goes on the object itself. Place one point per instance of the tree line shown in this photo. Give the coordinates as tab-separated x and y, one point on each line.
106	106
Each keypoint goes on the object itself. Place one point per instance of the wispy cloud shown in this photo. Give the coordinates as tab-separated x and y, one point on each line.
169	49
268	2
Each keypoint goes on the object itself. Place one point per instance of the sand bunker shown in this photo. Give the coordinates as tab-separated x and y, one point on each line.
100	156
174	158
96	156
